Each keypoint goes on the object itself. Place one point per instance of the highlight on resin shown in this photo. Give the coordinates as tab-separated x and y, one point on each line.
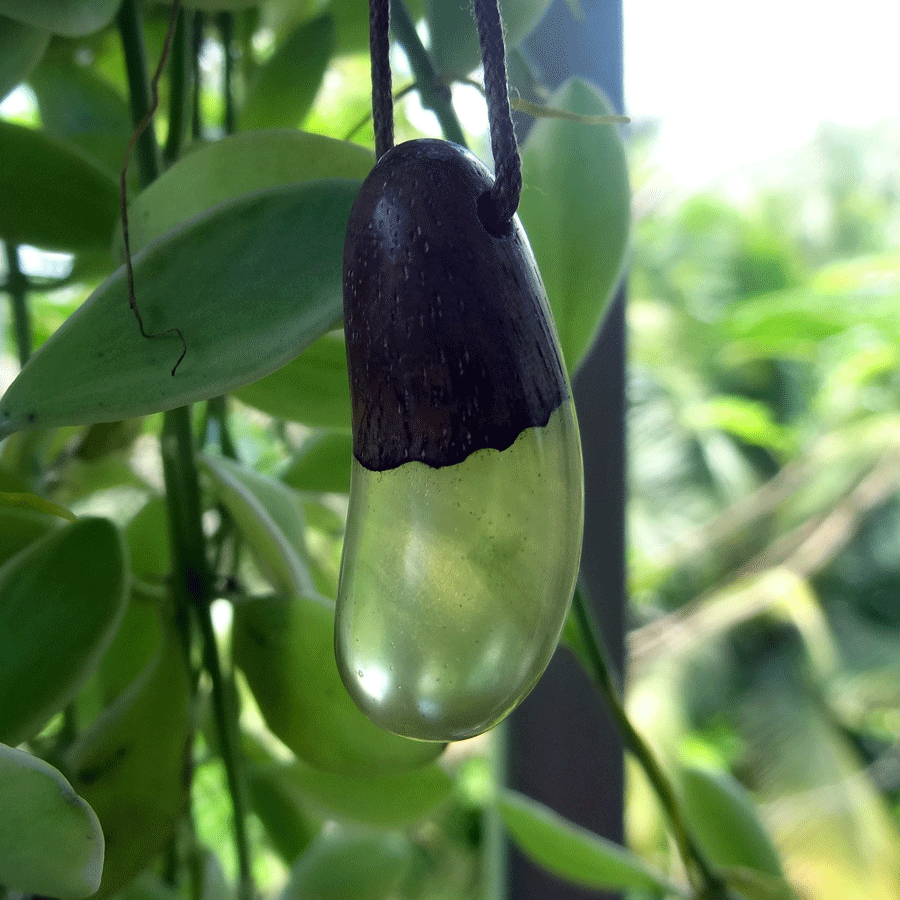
466	505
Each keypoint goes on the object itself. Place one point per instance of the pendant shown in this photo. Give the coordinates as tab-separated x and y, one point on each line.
466	506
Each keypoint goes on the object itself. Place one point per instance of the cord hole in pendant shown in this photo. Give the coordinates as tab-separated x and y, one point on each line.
487	215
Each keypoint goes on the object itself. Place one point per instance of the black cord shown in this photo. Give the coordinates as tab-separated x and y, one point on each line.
382	101
507	164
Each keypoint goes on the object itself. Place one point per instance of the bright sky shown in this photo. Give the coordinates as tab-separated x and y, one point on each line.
736	82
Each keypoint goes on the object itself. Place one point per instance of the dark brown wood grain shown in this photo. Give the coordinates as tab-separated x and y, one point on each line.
450	344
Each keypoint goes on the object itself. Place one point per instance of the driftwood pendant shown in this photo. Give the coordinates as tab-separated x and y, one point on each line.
466	505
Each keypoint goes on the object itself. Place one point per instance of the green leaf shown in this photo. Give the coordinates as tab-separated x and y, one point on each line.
63	598
38	504
574	853
249	285
323	464
454	36
313	389
239	164
21	46
382	801
133	765
268	515
363	866
147	535
73	18
51	843
283	642
722	815
351	19
79	106
277	805
51	195
575	206
284	88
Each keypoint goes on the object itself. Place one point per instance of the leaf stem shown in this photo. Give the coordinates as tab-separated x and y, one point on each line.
591	651
180	85
17	287
191	577
435	94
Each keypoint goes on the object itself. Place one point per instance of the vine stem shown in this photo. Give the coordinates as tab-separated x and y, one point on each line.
591	651
17	287
191	576
435	94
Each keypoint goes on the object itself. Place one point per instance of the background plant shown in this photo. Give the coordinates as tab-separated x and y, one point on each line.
191	700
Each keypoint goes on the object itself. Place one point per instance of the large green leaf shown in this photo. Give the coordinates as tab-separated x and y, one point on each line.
62	599
239	164
323	464
284	88
284	642
72	18
79	106
362	866
51	195
21	46
351	19
268	515
249	285
454	36
574	853
383	801
50	840
575	206
313	389
133	765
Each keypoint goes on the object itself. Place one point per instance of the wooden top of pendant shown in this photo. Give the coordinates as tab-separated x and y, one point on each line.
450	343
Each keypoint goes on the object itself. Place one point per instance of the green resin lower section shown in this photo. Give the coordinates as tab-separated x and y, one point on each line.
456	582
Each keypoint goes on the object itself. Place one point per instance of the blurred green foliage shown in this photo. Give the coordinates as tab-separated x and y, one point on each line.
764	448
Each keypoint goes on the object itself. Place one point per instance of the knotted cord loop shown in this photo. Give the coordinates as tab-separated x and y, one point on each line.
382	101
496	209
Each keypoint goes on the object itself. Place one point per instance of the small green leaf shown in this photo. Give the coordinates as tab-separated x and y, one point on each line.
454	36
268	514
51	195
249	285
722	815
81	107
21	46
51	843
574	853
38	504
361	865
239	164
284	88
282	642
63	598
73	18
323	464
575	206
313	389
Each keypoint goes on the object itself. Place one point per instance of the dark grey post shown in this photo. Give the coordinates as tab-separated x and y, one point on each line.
563	748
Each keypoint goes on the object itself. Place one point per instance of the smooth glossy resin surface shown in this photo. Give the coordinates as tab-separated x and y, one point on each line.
456	581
